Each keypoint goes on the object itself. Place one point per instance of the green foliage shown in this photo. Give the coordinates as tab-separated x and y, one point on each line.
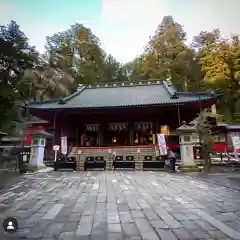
204	133
72	57
15	57
211	63
166	55
75	56
78	51
219	59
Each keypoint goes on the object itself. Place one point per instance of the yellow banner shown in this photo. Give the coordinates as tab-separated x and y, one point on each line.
154	139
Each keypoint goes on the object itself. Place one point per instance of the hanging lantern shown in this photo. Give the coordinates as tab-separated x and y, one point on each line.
165	130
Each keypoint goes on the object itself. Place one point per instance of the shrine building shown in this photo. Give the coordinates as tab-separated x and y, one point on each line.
120	115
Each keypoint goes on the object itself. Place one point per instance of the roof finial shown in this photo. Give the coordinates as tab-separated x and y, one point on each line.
169	77
79	86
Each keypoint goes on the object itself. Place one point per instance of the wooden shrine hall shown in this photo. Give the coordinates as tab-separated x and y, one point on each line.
122	115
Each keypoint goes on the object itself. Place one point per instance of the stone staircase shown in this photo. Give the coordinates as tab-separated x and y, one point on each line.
128	151
107	152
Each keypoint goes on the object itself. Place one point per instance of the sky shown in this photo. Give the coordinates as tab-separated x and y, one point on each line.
123	26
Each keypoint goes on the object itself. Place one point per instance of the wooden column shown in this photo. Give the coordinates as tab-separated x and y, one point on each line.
100	134
179	115
156	127
103	131
131	133
54	132
77	136
54	127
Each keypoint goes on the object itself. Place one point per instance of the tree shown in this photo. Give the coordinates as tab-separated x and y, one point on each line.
80	53
134	70
113	70
166	56
15	57
204	132
219	59
48	83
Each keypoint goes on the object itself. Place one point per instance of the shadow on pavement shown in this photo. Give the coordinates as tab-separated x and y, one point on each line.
8	178
227	177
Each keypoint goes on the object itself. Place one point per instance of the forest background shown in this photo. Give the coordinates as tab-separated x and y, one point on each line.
75	56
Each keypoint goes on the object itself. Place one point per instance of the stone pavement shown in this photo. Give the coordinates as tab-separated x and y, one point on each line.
228	178
121	205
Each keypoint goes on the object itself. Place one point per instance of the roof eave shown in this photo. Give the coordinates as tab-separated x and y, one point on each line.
123	106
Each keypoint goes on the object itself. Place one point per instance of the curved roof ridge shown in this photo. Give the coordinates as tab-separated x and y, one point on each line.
198	94
124	84
79	90
170	88
53	100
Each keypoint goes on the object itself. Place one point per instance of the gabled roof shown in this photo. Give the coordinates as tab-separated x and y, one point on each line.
124	95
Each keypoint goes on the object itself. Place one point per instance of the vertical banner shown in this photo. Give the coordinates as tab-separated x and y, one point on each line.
162	144
236	144
153	139
64	145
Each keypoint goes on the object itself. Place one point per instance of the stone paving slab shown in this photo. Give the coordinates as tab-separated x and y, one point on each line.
121	205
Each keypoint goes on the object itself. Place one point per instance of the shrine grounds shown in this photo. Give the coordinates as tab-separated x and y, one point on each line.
123	205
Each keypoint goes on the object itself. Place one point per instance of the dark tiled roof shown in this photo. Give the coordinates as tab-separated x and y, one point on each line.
118	95
229	126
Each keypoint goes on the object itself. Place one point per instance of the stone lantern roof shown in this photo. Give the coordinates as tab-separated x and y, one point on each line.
185	129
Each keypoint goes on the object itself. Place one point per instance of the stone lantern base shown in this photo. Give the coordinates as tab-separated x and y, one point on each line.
34	167
189	168
185	133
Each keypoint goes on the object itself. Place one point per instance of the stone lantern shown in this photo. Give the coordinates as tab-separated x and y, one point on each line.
39	137
185	133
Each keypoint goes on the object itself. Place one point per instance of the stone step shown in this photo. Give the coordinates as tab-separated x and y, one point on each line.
119	151
138	157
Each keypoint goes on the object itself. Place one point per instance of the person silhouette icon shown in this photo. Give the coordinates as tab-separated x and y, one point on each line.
10	226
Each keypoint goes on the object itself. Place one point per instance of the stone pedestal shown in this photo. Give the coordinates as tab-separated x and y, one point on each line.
37	153
185	133
139	161
187	154
80	161
109	160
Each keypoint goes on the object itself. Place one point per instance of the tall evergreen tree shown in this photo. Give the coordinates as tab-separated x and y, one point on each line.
15	57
